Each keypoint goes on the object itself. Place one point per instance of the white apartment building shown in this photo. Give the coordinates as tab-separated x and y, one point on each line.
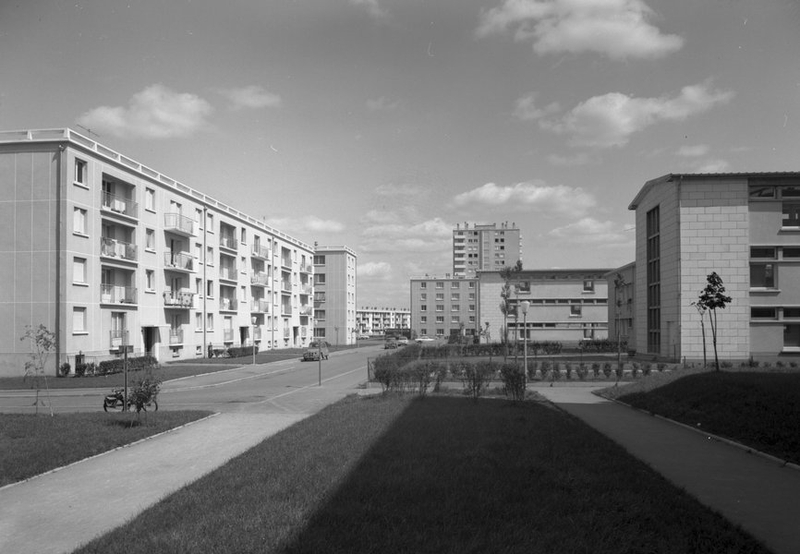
485	247
442	306
335	294
376	321
108	254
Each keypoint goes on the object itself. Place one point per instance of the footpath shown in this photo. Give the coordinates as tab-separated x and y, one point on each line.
757	493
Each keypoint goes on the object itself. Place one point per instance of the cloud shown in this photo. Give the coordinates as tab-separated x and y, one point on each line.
610	119
310	223
619	29
526	110
375	270
373	8
570	161
558	199
395	236
404	189
713	166
693	151
252	96
156	112
591	231
382	104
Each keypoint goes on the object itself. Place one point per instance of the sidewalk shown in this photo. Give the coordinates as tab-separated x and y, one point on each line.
753	492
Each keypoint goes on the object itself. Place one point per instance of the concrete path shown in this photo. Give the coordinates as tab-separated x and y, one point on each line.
751	491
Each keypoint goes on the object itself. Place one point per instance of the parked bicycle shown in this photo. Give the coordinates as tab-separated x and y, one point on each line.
115	402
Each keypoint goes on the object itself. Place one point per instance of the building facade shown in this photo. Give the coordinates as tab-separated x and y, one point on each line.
335	294
485	248
566	305
621	284
444	306
743	226
376	321
111	255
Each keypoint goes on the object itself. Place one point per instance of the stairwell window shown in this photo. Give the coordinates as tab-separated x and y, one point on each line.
80	177
79	222
79	320
79	271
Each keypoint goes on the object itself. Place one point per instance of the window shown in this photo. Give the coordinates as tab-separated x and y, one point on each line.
455	297
423	308
198	321
472	307
455	308
210	223
198	217
588	334
653	274
319	278
588	285
424	331
78	320
440	296
790	252
150	240
791	336
79	221
791	215
150	280
79	270
455	285
423	285
439	307
80	172
150	200
791	313
439	319
762	192
576	310
210	288
763	313
455	319
243	237
209	255
762	252
423	319
762	276
439	285
210	322
319	260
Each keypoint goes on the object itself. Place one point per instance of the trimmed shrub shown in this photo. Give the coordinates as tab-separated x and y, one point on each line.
596	369
107	367
607	369
513	381
241	351
477	376
583	371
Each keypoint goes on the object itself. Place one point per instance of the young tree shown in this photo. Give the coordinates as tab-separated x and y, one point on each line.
711	298
42	343
701	310
507	273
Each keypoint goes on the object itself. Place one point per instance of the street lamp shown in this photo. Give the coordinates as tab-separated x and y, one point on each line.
253	339
524	305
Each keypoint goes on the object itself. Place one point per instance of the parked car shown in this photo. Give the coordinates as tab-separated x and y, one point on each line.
424	338
390	343
315	350
402	341
363	336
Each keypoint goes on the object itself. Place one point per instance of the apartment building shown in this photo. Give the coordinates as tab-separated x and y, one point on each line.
441	306
485	247
565	305
112	255
335	294
376	321
743	226
621	284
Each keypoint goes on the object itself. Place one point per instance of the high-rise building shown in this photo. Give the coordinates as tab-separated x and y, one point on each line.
111	255
485	247
335	294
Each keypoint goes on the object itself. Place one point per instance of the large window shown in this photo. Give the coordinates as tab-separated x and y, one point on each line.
762	276
653	235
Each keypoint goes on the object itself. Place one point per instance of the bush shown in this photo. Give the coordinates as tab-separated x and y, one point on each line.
241	351
596	369
583	371
513	381
568	368
555	375
107	367
63	369
477	376
620	371
143	391
545	369
607	369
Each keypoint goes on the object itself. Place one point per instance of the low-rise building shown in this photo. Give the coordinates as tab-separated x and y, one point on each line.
442	306
375	321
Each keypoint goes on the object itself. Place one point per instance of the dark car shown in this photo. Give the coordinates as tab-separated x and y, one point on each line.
315	350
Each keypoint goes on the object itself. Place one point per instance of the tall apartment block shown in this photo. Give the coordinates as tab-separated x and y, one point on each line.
444	306
111	255
376	321
743	226
335	294
485	248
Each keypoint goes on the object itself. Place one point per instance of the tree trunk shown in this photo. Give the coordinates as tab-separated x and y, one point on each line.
713	319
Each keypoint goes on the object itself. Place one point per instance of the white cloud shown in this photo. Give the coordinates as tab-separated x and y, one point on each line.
156	112
375	270
619	29
713	166
591	231
526	110
373	8
694	151
252	96
307	224
557	199
382	104
610	119
394	236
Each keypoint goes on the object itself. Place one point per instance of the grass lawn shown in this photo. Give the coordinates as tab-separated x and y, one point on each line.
759	409
438	474
34	444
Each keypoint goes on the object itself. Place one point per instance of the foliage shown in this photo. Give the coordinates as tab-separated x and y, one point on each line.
241	351
139	363
712	298
143	392
602	345
513	381
64	369
42	342
477	376
607	369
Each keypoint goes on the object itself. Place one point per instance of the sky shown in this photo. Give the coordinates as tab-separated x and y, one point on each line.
381	124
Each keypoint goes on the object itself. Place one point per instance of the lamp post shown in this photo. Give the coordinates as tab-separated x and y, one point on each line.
253	339
524	305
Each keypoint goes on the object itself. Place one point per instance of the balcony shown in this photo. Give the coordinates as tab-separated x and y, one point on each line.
179	224
179	261
260	278
306	268
228	273
286	309
181	299
259	305
120	205
175	336
113	248
229	243
116	294
286	286
261	252
307	310
306	288
228	304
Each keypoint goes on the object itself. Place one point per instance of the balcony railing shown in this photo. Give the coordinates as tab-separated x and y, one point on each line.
305	309
228	304
228	242
261	252
113	248
259	305
286	285
228	273
176	336
116	294
227	335
286	309
183	298
180	224
259	278
182	261
306	289
306	268
120	204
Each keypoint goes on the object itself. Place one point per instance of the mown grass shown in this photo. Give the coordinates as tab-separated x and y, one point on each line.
34	444
438	474
758	409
